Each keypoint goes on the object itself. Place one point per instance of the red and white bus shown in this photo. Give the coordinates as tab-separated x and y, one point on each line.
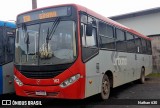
68	51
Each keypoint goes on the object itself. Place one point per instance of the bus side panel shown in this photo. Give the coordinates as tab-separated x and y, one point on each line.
122	65
146	61
8	85
1	80
125	68
110	61
139	64
94	71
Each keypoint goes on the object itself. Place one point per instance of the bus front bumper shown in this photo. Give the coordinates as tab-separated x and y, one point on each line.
71	92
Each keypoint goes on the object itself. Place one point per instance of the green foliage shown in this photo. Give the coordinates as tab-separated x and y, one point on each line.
154	75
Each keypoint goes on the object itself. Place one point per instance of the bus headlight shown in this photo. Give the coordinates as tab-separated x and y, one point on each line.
70	81
18	81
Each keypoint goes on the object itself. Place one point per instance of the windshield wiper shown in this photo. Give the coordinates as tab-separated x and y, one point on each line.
45	50
52	30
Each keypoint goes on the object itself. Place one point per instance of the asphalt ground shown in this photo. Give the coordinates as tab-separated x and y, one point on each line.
125	96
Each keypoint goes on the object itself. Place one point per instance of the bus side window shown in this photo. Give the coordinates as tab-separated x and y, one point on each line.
83	28
106	33
131	47
138	44
120	42
144	46
149	49
10	49
82	34
10	36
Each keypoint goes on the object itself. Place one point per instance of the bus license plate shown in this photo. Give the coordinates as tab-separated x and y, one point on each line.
41	93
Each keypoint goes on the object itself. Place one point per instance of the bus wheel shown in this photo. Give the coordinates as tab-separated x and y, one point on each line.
142	77
105	89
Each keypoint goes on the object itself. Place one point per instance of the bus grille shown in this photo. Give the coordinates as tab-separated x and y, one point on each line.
41	75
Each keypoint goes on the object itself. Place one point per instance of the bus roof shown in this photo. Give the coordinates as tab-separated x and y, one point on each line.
84	9
7	24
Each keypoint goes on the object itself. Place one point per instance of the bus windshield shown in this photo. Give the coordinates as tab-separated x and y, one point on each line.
49	43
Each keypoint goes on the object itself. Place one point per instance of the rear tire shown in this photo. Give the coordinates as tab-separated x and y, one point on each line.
142	77
105	88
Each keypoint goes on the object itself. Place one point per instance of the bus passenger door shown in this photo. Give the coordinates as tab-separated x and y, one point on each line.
90	55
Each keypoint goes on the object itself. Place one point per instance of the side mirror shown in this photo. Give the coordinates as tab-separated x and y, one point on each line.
81	30
89	30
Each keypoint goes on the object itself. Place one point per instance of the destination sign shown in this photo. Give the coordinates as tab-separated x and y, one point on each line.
44	14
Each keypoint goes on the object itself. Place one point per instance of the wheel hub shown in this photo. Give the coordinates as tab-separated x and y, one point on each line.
105	87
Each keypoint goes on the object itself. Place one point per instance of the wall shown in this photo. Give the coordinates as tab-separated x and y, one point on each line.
156	53
146	24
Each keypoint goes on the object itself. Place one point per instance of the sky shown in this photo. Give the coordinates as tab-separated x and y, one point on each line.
9	9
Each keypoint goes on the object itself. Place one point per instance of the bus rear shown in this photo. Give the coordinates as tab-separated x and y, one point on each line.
47	57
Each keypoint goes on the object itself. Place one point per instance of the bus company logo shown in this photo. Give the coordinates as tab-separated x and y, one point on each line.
120	61
38	82
57	81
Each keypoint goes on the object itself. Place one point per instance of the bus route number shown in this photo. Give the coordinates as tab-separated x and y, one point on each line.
26	18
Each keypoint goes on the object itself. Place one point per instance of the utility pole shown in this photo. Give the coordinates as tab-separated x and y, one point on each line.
34	4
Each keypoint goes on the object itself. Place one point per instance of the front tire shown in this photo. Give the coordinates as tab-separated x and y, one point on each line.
105	88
